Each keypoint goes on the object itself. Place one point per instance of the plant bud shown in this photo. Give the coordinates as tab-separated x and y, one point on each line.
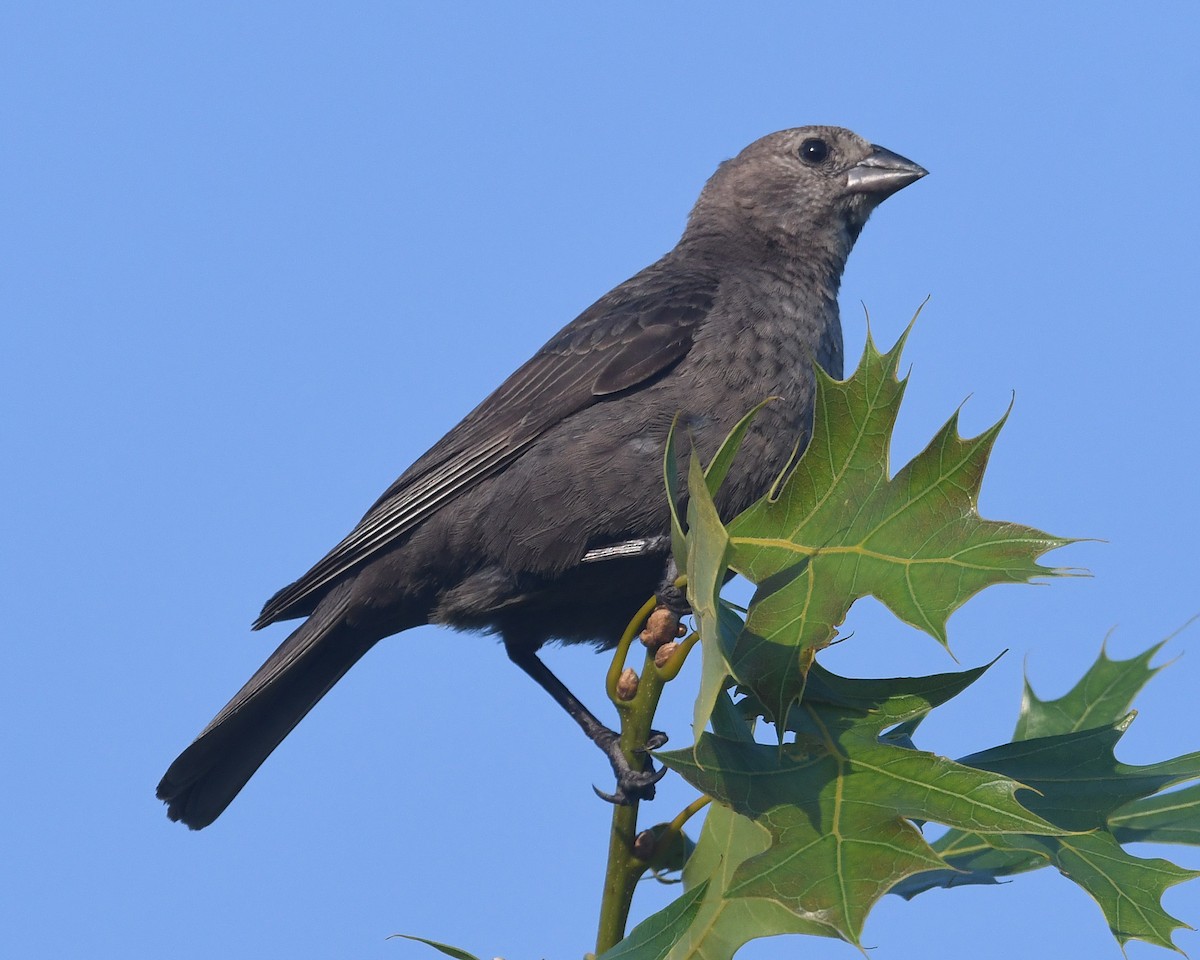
643	845
661	626
627	686
663	653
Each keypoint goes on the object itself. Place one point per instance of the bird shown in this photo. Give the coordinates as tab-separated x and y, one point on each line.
542	516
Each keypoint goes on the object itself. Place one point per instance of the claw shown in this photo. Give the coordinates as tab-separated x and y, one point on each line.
656	739
631	784
634	786
659	774
619	801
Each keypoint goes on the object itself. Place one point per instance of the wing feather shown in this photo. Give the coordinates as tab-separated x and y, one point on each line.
622	342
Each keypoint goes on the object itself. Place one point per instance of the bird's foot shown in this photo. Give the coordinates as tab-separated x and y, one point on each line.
671	597
663	626
632	784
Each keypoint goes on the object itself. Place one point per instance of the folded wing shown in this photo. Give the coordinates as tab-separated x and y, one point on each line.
622	343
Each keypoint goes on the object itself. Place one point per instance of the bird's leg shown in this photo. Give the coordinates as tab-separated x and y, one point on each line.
631	784
670	596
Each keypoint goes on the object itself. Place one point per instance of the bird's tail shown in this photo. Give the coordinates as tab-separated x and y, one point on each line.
206	777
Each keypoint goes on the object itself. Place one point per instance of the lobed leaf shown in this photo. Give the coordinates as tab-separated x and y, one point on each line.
1102	696
841	528
808	833
838	802
1127	888
1082	786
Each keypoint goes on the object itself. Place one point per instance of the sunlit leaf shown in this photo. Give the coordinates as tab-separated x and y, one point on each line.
707	556
724	923
654	937
842	528
1102	696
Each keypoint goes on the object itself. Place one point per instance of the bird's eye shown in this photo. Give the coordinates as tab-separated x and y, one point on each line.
814	150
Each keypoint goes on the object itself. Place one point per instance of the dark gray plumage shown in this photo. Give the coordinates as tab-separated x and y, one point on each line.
490	528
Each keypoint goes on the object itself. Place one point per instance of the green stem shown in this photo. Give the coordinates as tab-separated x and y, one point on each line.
620	879
637	715
622	651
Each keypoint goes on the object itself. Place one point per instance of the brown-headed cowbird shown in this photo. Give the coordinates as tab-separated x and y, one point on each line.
542	514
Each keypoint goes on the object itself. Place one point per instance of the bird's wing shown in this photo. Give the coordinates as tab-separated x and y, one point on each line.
622	342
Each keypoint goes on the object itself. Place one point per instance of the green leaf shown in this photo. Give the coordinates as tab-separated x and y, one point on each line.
729	721
1082	786
714	475
723	924
972	862
1101	697
703	553
1079	780
840	529
653	938
445	948
900	700
707	556
838	802
1127	888
718	468
670	481
1167	818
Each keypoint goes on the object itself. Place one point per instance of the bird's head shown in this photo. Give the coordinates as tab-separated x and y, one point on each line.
804	192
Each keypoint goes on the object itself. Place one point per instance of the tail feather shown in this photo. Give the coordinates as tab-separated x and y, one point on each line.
206	777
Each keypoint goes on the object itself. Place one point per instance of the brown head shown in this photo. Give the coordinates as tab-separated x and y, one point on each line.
804	192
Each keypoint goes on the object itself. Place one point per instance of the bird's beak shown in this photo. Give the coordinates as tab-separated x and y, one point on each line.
883	173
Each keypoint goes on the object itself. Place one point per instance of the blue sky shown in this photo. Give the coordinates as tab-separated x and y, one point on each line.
258	257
